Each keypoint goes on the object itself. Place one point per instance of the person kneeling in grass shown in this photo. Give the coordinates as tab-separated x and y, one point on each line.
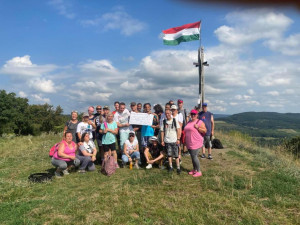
87	154
154	153
131	150
65	156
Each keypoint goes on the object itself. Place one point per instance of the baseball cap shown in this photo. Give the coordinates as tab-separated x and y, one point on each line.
180	100
194	111
204	104
173	107
153	138
132	133
85	115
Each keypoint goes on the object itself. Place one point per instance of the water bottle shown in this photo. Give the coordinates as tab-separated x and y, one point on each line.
130	165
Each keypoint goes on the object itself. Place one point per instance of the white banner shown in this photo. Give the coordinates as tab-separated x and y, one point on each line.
141	118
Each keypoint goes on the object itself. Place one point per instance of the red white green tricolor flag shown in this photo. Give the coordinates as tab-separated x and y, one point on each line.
184	33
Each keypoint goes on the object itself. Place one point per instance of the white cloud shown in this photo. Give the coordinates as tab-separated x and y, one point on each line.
23	67
287	46
128	59
39	98
273	80
98	66
251	25
273	93
117	20
22	94
63	7
250	91
43	85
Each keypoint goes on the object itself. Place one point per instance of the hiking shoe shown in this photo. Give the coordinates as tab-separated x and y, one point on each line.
170	170
178	171
192	172
210	157
162	167
81	171
186	154
136	166
57	174
149	166
66	172
197	174
203	156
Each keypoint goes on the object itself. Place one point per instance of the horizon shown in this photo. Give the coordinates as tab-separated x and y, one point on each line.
76	54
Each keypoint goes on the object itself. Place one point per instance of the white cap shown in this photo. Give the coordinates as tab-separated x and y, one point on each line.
173	107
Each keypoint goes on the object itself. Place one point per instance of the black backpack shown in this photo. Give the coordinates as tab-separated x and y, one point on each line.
173	124
216	143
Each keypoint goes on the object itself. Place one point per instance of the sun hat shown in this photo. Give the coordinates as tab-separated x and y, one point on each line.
173	107
85	115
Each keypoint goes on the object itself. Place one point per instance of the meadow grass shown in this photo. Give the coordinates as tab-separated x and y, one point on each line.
244	184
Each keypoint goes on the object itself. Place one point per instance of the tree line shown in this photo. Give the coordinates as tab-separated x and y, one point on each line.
19	117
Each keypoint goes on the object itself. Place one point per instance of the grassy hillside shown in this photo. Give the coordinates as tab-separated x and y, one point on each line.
244	184
266	127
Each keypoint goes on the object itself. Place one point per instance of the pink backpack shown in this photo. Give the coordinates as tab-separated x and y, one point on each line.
53	149
108	166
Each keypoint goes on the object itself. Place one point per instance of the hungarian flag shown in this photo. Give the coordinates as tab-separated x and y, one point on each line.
184	33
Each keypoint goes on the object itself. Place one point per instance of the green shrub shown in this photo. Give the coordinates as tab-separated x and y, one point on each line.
293	146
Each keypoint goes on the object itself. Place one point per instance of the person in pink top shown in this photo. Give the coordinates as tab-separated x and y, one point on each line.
65	156
194	131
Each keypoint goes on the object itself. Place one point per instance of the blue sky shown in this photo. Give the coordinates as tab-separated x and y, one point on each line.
81	53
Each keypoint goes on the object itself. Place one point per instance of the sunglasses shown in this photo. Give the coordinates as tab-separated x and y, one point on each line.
99	109
131	135
193	114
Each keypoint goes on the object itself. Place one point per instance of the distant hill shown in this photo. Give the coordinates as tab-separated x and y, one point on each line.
265	127
265	120
217	116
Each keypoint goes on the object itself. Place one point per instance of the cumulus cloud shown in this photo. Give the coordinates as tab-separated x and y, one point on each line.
249	26
43	85
118	19
287	46
40	99
22	94
23	67
273	93
63	8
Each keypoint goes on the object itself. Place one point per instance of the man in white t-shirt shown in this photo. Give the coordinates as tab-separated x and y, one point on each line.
170	135
121	117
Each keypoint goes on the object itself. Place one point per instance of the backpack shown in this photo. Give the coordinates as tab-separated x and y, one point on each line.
173	124
53	149
108	166
216	143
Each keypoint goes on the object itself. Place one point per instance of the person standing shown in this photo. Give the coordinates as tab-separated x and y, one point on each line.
194	131
117	105
136	128
71	126
147	130
92	116
208	119
185	117
99	119
139	107
121	117
170	135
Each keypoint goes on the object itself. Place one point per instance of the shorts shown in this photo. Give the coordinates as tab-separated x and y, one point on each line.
172	150
112	147
207	142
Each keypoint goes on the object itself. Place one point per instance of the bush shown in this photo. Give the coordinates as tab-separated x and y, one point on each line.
293	146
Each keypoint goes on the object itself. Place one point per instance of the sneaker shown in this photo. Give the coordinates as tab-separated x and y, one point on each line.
197	174
210	157
136	166
162	167
149	166
186	154
81	171
192	172
117	166
178	171
57	174
203	156
66	172
170	169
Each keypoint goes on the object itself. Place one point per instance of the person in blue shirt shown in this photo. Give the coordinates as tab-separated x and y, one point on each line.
208	119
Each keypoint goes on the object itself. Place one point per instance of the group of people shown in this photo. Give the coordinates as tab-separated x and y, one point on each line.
174	132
